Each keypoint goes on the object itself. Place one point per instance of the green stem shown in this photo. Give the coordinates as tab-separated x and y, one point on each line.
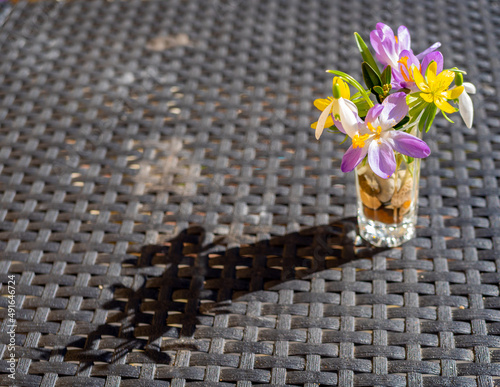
408	171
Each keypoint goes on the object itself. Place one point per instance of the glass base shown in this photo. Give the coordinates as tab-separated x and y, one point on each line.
381	234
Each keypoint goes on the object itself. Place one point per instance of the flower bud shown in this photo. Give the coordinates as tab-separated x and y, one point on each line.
336	91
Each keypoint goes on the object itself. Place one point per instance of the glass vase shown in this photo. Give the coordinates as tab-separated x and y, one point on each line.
387	208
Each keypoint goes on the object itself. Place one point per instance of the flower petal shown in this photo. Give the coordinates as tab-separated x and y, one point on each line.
373	113
454	92
395	108
466	109
349	121
360	123
384	44
339	126
434	47
444	106
398	82
404	40
443	79
433	56
344	88
469	88
351	105
385	30
322	103
419	80
431	73
409	145
376	42
322	120
329	122
381	159
352	158
427	97
406	60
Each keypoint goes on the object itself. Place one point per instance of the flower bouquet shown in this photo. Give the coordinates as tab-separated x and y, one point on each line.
385	121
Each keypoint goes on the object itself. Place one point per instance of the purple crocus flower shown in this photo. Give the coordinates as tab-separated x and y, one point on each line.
402	76
377	138
388	47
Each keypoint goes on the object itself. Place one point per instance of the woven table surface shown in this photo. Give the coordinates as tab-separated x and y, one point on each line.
170	220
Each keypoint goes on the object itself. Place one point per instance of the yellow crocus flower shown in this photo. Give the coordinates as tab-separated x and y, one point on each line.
435	87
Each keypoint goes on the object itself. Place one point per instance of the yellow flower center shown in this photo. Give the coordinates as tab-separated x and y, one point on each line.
377	132
359	141
436	90
403	65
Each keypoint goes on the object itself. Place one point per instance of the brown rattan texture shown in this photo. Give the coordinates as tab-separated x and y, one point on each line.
171	221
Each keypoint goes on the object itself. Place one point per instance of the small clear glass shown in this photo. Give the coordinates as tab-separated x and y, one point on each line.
387	208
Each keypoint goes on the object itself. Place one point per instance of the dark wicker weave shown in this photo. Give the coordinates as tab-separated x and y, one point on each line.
171	220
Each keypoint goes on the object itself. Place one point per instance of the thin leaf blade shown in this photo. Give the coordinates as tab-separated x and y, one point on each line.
370	77
427	117
386	76
365	53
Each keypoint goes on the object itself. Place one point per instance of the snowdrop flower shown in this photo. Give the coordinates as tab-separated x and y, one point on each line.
336	108
465	103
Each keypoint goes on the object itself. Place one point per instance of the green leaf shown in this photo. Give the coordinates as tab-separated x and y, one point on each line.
362	106
423	117
370	77
409	159
402	123
447	118
413	99
399	160
365	53
427	117
457	70
358	96
386	76
378	90
416	105
415	110
345	139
